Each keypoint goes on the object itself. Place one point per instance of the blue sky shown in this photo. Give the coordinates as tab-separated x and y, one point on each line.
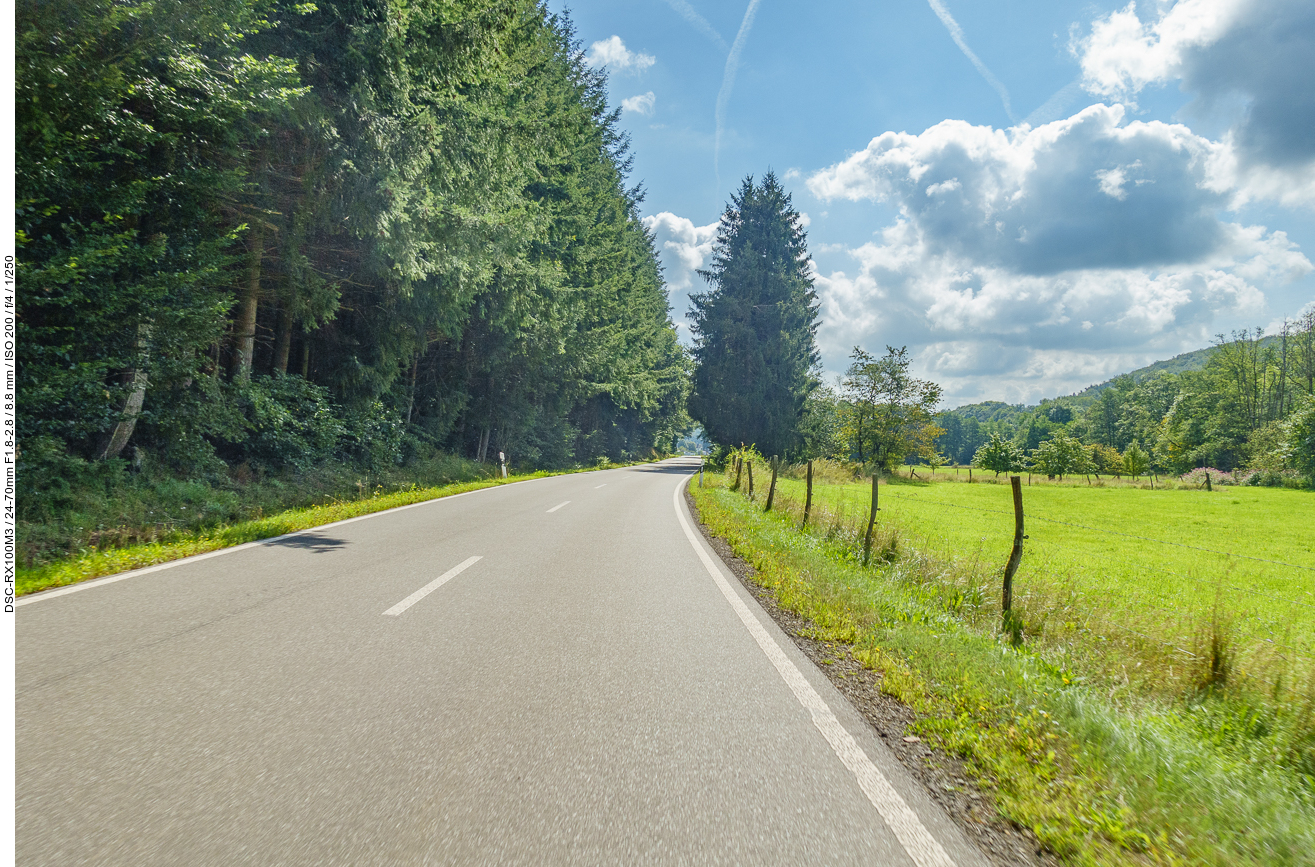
1032	196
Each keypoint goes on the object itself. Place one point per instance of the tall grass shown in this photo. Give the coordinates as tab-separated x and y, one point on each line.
1113	750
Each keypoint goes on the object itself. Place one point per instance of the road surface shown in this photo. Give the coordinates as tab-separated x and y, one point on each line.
551	672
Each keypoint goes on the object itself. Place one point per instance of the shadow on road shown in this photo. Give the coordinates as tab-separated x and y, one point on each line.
311	542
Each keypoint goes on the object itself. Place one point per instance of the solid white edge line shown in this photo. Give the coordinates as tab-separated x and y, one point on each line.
123	576
922	847
558	506
432	586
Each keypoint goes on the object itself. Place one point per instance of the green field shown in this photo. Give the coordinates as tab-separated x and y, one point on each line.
1138	711
1157	562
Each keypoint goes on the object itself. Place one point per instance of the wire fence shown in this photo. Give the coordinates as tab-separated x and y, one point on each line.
1125	602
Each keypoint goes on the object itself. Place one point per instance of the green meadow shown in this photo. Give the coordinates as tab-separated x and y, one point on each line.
1156	703
1155	564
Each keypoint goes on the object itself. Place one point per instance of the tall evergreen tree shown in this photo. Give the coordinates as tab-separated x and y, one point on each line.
755	328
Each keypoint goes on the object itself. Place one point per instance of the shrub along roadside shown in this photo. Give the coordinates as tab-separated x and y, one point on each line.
1211	779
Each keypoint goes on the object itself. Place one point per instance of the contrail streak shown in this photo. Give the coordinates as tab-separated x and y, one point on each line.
728	83
1053	108
956	33
686	11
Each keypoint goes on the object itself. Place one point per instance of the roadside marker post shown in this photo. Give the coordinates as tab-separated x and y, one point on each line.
502	460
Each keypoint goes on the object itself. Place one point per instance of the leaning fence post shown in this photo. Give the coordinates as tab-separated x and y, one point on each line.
1017	553
771	490
739	466
872	519
750	463
808	500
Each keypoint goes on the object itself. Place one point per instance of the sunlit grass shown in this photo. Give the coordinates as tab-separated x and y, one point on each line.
97	563
1164	556
1158	768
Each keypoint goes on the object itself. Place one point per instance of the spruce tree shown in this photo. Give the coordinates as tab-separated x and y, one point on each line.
755	327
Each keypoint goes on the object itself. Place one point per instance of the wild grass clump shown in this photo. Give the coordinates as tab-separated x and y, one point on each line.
1112	746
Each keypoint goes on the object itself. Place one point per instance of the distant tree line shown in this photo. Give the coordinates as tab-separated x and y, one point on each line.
276	233
1251	407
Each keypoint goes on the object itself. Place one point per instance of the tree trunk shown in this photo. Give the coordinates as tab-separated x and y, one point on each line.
483	446
135	378
411	401
283	344
244	327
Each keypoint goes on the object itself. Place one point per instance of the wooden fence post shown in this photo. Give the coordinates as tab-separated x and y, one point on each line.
750	463
808	500
1207	480
872	519
739	467
771	490
1016	554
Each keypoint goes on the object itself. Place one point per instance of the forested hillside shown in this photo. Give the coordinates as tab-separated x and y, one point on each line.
264	237
1246	403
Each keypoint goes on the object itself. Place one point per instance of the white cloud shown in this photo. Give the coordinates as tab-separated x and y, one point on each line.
1044	200
1029	262
682	248
1250	64
1122	54
613	54
641	104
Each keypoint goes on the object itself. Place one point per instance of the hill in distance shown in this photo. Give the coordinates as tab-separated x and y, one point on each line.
995	410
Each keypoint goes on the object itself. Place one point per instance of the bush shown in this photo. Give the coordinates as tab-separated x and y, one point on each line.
1217	477
373	436
288	422
1301	439
1269	478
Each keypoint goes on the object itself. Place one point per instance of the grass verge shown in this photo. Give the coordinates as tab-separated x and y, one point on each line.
1100	773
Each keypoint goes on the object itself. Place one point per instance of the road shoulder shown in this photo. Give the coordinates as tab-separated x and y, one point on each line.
942	775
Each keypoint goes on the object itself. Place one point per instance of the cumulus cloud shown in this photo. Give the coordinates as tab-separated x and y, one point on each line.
1251	61
1032	261
683	248
641	104
1085	192
613	54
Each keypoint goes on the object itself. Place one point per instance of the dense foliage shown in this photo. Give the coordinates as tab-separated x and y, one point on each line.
886	413
271	234
1247	407
755	327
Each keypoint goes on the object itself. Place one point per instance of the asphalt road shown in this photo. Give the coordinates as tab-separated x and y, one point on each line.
595	688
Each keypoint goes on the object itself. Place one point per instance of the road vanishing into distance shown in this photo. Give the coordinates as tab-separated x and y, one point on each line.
558	671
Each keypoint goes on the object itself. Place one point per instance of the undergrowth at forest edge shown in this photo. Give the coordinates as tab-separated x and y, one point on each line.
1218	776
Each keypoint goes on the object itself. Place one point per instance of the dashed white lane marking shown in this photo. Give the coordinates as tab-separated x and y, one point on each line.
558	506
274	540
603	485
432	586
922	847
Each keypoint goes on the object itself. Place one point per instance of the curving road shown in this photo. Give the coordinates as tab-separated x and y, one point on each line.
550	672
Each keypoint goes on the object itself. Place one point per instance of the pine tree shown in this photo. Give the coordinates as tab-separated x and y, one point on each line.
755	328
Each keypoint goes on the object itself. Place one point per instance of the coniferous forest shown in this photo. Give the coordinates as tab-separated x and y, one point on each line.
263	238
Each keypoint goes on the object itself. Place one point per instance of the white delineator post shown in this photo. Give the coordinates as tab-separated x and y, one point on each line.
502	461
